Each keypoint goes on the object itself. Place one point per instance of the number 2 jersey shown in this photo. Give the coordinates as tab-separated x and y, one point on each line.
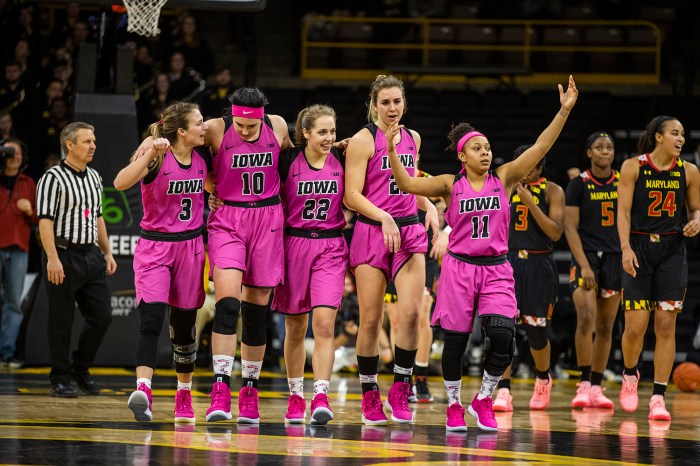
312	198
479	219
658	205
596	199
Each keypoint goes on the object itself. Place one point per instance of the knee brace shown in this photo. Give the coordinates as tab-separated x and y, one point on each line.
254	324
536	336
182	332
499	343
226	316
152	317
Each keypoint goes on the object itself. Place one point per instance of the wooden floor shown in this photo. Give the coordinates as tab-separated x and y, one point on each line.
38	429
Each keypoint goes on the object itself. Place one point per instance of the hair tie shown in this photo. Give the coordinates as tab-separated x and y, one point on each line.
160	122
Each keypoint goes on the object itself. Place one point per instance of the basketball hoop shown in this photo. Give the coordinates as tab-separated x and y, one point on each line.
143	16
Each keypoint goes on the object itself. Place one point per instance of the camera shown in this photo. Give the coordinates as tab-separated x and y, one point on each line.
7	152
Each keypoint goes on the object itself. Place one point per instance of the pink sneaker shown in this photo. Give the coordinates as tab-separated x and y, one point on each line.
628	393
220	408
320	410
503	401
248	406
583	395
482	410
657	409
141	402
372	412
397	403
296	410
183	406
598	400
455	418
540	397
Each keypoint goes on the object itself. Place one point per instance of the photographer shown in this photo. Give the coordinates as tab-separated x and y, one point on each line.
17	214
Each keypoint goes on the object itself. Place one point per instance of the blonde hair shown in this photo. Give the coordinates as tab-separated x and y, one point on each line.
174	117
307	119
381	82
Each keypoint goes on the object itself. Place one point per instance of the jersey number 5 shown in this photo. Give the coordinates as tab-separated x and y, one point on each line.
656	207
607	214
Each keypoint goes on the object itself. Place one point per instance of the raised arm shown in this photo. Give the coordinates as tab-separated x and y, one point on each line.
513	172
625	193
138	168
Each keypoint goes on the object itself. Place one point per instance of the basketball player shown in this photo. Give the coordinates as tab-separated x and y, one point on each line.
169	256
388	244
536	221
657	189
476	276
316	256
596	267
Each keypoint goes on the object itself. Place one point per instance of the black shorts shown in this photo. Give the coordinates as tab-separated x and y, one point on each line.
536	286
662	276
607	268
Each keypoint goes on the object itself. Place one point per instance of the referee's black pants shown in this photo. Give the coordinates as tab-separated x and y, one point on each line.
85	283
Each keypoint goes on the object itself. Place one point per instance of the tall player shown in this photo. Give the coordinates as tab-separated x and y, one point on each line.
169	259
476	276
389	243
245	242
596	267
536	221
316	256
656	190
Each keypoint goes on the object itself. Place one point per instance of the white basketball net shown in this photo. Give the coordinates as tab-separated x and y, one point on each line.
143	16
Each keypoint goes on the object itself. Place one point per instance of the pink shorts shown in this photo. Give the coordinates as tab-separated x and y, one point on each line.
367	247
249	240
170	272
466	288
314	274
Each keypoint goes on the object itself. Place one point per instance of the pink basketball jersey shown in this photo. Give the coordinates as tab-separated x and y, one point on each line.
380	187
313	198
174	201
247	171
479	220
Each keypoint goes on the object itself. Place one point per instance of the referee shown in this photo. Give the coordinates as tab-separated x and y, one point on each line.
69	206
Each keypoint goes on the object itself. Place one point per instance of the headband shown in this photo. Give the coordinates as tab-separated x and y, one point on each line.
247	112
463	140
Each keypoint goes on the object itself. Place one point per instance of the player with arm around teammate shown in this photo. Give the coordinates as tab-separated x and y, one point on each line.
475	272
169	256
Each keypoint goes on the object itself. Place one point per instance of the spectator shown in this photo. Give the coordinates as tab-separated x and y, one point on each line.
197	52
215	99
182	81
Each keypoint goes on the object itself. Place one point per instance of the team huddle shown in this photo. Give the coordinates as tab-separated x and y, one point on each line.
276	220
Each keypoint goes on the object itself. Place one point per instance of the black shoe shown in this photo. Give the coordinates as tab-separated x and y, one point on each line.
63	390
85	382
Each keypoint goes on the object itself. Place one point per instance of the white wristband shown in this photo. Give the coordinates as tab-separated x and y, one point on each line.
447	229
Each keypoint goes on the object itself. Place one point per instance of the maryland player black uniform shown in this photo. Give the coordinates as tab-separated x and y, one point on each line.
657	219
597	200
530	254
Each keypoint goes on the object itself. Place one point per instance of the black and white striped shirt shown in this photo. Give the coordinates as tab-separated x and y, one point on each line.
73	201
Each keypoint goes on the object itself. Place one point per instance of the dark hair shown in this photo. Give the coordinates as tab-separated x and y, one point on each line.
456	134
381	82
594	136
307	119
647	141
519	151
248	97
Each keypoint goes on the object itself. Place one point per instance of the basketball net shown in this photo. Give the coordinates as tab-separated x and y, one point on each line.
143	16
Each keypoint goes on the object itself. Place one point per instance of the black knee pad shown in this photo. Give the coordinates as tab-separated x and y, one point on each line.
536	337
226	313
182	337
152	317
499	343
254	324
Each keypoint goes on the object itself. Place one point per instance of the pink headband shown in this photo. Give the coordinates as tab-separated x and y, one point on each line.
247	112
463	140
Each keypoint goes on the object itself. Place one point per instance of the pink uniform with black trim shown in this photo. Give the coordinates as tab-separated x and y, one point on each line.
316	254
169	270
479	221
248	236
380	189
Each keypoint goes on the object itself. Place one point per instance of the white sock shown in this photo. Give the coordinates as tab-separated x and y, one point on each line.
251	369
488	385
321	386
454	390
184	385
222	364
143	380
296	386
